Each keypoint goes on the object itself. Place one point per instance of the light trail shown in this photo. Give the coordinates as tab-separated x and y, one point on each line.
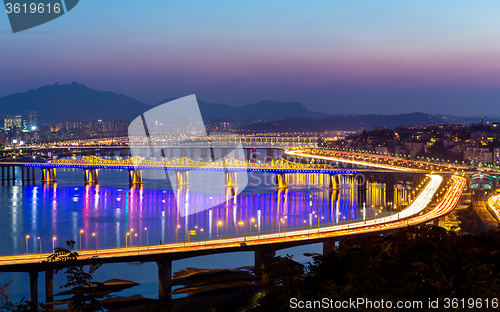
351	161
412	215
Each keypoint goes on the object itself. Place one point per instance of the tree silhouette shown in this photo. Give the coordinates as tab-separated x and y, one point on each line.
78	279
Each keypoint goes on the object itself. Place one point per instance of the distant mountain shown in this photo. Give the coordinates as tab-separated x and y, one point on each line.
351	123
265	110
61	102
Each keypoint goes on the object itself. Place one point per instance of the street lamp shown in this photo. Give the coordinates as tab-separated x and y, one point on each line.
53	243
219	223
27	236
40	244
126	239
251	224
177	228
81	232
93	234
147	238
279	225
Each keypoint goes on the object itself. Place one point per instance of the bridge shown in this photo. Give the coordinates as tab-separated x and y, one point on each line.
135	165
264	246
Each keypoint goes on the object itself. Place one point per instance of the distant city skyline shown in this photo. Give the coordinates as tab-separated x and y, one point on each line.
384	57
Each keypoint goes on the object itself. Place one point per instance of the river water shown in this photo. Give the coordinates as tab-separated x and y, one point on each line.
54	213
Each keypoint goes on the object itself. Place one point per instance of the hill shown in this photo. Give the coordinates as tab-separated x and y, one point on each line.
348	123
73	101
264	110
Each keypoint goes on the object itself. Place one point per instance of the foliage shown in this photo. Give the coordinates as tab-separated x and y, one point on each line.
78	279
413	264
3	293
22	306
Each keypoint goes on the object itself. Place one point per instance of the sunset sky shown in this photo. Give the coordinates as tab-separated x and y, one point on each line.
333	56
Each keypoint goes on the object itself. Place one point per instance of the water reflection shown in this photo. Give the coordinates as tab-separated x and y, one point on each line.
112	210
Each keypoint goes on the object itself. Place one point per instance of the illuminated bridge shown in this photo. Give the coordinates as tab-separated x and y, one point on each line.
264	246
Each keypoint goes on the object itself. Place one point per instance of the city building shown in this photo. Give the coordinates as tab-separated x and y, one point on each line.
478	155
10	122
32	122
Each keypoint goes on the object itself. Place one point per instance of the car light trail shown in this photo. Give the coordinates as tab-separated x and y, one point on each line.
412	215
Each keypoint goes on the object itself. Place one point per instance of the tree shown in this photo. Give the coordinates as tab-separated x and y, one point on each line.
3	293
79	280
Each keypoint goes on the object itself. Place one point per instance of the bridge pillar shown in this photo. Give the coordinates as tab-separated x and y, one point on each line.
263	260
204	153
49	288
34	288
223	152
231	179
361	183
134	177
3	175
270	153
334	182
249	151
281	180
8	175
182	177
91	176
183	152
328	247
164	280
389	189
49	175
171	152
191	152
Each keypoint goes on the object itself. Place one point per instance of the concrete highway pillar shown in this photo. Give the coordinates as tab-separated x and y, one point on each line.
3	174
164	280
263	260
270	153
328	247
34	288
33	174
183	152
49	288
389	189
248	153
361	183
8	174
191	152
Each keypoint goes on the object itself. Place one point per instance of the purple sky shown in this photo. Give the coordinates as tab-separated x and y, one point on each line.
333	56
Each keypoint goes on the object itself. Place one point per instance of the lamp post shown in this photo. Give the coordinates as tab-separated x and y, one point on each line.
81	232
131	230
93	234
251	224
53	244
27	236
219	223
40	244
176	229
126	239
147	238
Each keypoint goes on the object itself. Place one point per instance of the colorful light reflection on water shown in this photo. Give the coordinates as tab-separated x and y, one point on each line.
112	210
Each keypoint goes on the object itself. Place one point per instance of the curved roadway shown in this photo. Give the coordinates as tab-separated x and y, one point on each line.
414	214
